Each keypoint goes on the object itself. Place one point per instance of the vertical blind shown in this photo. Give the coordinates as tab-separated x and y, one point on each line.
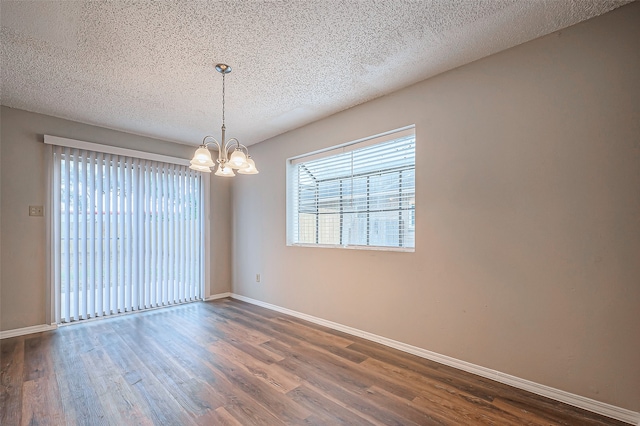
126	234
359	195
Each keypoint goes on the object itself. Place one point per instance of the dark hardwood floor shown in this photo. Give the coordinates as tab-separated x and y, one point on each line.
232	363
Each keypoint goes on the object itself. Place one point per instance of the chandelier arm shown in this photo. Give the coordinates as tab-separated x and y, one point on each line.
229	144
213	141
222	155
238	145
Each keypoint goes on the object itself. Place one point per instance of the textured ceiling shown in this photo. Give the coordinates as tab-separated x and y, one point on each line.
146	67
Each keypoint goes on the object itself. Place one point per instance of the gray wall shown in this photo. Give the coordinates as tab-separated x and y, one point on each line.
527	255
24	296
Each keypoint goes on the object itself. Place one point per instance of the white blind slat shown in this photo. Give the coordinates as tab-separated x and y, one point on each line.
57	239
165	236
137	241
108	264
187	292
148	234
130	236
91	210
172	261
195	232
183	236
153	213
83	211
99	242
120	246
75	307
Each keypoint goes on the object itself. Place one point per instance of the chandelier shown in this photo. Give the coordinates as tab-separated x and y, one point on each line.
231	154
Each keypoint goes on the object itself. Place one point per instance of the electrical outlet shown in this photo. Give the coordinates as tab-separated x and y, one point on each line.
257	278
36	211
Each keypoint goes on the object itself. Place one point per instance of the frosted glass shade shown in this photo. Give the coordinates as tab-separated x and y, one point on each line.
205	169
238	160
202	157
250	169
225	171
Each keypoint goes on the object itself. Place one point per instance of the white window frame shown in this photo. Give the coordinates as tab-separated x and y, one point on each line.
291	182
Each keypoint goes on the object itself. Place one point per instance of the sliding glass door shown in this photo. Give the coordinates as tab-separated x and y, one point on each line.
127	234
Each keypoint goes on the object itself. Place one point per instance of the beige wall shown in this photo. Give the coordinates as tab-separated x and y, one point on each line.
220	233
527	253
24	297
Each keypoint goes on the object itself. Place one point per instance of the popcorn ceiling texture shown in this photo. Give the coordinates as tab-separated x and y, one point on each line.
147	67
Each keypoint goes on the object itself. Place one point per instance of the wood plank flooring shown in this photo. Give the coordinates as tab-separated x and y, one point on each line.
232	363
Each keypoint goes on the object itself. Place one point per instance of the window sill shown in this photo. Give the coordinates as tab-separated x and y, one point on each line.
375	248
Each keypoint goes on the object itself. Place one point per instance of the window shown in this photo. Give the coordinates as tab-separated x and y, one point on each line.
126	234
358	195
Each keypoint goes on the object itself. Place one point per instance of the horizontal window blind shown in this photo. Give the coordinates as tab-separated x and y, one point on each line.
126	234
362	196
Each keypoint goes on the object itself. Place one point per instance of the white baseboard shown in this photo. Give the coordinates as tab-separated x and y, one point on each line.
589	404
217	296
27	330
